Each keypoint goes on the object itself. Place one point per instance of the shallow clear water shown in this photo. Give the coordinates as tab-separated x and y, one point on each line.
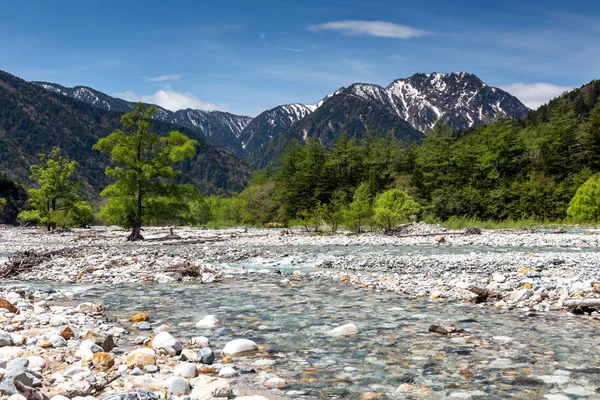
393	346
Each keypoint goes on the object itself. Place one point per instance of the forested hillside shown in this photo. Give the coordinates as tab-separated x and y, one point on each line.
34	120
508	169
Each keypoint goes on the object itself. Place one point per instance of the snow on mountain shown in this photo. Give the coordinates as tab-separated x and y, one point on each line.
271	123
460	100
219	127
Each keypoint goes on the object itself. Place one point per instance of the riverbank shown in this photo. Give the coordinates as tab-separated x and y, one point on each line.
540	271
529	272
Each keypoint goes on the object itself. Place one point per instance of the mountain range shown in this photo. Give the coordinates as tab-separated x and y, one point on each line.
36	116
409	106
33	120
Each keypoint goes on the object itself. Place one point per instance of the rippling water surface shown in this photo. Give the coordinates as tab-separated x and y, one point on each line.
499	355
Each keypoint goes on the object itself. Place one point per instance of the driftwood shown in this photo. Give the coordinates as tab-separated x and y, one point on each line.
483	295
92	388
29	393
26	260
576	303
9	306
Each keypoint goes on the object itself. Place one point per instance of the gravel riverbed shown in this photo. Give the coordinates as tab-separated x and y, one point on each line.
58	344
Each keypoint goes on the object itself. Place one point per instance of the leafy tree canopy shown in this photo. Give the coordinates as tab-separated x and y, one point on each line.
144	173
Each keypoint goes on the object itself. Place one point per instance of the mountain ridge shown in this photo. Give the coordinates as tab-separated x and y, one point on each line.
409	106
220	127
34	120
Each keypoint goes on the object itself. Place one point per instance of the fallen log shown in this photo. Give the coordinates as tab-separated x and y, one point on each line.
576	303
92	389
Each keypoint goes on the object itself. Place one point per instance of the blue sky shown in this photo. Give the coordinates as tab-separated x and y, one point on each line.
247	56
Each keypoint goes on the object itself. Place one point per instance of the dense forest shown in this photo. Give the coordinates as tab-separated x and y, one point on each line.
507	169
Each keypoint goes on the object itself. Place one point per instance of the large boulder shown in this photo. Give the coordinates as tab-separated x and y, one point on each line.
164	341
141	358
178	386
102	339
207	388
240	347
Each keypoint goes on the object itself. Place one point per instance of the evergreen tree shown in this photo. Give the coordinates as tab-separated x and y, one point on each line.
145	168
359	212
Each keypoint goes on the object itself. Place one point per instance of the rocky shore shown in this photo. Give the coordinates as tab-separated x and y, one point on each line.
52	347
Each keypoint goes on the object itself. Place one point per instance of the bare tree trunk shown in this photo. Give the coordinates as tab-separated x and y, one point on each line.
135	234
137	225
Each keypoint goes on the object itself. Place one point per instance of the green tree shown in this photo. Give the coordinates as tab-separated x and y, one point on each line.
3	203
145	168
585	205
393	207
359	212
333	212
57	191
16	199
81	214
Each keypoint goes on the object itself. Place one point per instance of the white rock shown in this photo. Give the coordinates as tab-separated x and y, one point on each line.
239	347
59	397
199	341
521	294
185	370
227	372
58	320
208	322
206	388
558	379
36	362
348	329
164	340
578	391
16	397
89	345
275	383
502	339
178	386
87	308
57	378
207	277
500	278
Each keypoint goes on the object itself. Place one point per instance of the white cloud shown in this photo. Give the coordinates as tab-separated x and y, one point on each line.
370	28
171	100
534	95
287	48
164	78
395	57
